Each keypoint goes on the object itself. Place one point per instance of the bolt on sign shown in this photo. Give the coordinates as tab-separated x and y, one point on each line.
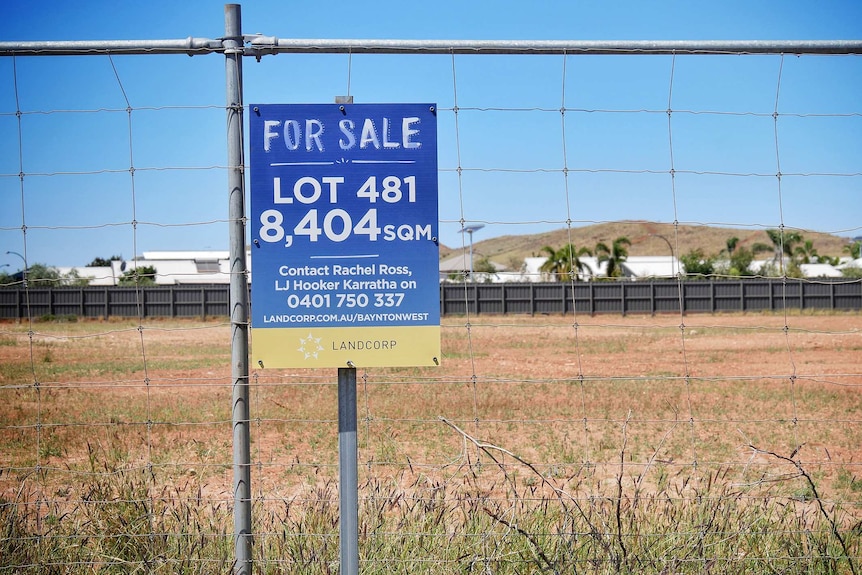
344	228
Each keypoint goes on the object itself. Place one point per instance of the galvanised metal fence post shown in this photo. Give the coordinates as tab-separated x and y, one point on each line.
348	473
233	52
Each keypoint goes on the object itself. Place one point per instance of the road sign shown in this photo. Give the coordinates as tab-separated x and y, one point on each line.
344	230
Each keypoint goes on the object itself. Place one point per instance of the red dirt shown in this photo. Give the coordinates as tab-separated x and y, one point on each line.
556	390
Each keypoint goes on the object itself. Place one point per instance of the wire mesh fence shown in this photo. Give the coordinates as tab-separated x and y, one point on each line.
559	442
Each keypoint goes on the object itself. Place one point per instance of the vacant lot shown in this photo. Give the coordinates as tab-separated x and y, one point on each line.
750	411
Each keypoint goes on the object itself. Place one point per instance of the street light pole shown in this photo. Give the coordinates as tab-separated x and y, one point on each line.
670	246
24	270
471	253
469	230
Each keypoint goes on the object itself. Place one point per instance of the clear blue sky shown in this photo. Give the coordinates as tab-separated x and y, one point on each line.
619	159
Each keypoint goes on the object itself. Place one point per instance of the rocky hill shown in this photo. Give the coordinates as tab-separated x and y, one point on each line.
644	237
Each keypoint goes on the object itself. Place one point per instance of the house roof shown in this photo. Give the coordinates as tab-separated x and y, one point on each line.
857	263
96	275
819	271
207	255
651	266
461	263
634	266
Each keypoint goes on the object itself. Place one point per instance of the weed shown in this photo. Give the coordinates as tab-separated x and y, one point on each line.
847	481
632	473
50	446
65	318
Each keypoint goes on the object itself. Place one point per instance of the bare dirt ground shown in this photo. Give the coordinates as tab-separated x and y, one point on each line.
559	391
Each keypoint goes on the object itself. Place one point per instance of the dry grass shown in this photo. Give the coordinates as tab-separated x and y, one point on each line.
725	443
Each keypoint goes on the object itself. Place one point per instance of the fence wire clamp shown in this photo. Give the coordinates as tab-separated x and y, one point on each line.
260	46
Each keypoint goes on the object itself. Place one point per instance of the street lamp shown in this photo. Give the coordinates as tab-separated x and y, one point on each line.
24	270
671	251
469	230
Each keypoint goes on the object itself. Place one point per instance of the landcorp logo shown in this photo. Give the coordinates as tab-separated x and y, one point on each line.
309	346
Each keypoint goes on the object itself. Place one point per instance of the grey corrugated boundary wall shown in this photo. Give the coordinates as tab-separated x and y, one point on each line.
212	301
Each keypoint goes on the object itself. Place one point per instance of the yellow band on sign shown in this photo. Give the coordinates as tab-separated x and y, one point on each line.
316	347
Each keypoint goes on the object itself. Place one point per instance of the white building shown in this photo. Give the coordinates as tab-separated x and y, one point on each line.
820	271
651	267
591	268
172	268
95	275
186	267
213	267
454	268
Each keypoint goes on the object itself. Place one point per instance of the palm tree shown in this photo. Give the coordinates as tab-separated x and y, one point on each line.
807	252
854	249
783	242
564	261
731	244
614	256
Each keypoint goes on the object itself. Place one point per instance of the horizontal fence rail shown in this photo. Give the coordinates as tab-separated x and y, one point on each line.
258	45
207	301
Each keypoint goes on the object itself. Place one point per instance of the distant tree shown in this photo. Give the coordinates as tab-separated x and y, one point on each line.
730	244
614	255
552	264
484	265
73	278
779	269
141	275
806	253
564	263
852	272
793	270
783	243
516	264
740	262
740	257
43	275
854	249
102	262
696	263
760	247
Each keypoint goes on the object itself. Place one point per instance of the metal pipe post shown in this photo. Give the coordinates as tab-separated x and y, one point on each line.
348	490
472	278
670	246
233	49
24	269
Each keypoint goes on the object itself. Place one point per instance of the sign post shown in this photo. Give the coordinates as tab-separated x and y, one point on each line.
348	472
345	255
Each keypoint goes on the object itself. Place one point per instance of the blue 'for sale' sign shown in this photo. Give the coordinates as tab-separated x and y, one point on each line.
344	231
